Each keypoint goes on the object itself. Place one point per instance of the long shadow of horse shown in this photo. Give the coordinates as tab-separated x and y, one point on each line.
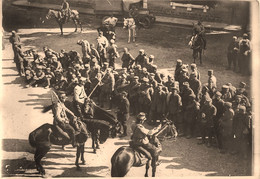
19	80
16	145
82	172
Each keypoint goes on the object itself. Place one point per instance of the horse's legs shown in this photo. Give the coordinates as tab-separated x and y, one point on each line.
61	29
129	35
134	34
39	154
147	168
200	56
153	170
80	25
82	153
75	23
77	156
93	136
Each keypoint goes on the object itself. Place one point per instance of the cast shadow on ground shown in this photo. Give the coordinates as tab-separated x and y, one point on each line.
19	80
42	100
82	172
16	145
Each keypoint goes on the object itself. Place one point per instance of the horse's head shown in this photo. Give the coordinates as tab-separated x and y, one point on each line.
48	15
104	133
126	21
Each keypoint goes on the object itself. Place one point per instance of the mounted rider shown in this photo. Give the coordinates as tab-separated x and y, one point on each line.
61	120
140	139
199	31
65	10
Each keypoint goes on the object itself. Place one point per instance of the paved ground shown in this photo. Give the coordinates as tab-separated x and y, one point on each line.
21	107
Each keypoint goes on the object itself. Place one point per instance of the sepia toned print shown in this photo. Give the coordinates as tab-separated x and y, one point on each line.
129	88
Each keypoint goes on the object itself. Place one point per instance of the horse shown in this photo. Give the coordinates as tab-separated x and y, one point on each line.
196	44
129	23
62	20
47	134
127	156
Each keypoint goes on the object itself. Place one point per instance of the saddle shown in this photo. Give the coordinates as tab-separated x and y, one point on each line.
140	159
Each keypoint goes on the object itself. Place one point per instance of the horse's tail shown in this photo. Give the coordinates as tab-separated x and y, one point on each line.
120	163
32	140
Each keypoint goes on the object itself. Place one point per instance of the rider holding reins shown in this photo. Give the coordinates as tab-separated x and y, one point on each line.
199	30
140	140
65	10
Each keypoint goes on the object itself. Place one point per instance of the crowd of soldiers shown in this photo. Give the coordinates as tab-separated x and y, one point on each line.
195	109
239	55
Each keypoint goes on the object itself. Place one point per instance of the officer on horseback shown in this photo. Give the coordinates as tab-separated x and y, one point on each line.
199	30
65	10
140	139
61	120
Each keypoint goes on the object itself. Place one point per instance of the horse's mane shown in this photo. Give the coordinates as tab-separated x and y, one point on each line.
100	113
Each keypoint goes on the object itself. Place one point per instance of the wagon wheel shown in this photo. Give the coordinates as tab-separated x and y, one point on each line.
145	22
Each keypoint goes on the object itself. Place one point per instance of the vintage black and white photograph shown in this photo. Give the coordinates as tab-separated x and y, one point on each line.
129	88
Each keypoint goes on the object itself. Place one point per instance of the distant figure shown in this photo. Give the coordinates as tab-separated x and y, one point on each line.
198	29
65	10
14	40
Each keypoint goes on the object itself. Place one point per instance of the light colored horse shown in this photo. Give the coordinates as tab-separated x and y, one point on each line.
61	20
130	24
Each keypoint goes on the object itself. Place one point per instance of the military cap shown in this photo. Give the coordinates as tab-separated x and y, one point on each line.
48	68
136	77
192	96
218	93
242	84
228	104
193	65
155	66
242	108
145	79
229	84
141	116
87	65
151	56
208	99
245	35
82	79
186	84
234	37
184	70
145	69
225	87
210	70
159	84
124	75
173	88
112	41
124	69
179	61
141	50
105	63
152	74
124	93
138	67
62	93
13	32
238	96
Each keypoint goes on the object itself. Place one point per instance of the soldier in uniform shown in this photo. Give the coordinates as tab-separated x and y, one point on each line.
14	40
199	30
158	105
85	50
226	95
152	81
65	10
195	85
206	115
195	70
141	58
145	94
212	82
19	59
107	88
170	83
178	70
112	54
174	107
233	49
244	55
133	94
61	120
94	53
190	116
219	104
123	111
127	59
141	141
102	47
79	97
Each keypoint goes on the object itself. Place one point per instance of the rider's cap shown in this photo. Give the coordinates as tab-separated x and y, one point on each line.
193	65
151	56
242	84
228	104
145	79
225	87
218	94
141	116
179	61
141	50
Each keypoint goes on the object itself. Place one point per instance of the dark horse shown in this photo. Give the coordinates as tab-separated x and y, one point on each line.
47	134
196	44
126	156
61	20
